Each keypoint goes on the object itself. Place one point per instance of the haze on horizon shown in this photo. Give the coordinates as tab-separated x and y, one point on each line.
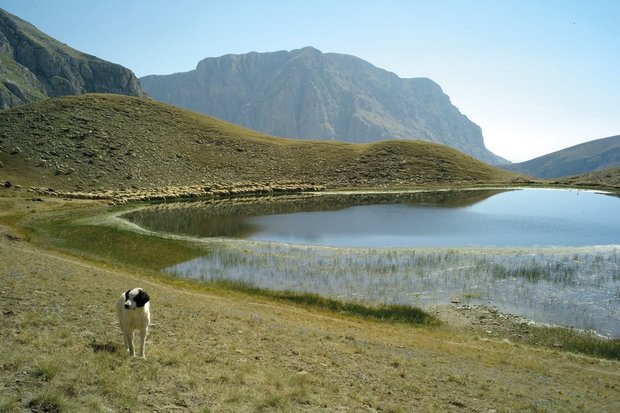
537	76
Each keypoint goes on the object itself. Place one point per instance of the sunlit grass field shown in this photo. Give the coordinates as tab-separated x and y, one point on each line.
215	347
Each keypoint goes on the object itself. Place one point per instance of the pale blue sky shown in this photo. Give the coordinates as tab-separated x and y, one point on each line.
536	75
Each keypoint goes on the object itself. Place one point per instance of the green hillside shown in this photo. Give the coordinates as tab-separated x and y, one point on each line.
607	178
97	142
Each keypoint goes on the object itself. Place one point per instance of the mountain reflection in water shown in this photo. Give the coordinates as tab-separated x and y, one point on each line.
422	219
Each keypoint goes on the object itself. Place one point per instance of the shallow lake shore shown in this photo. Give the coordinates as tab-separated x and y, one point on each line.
226	351
551	279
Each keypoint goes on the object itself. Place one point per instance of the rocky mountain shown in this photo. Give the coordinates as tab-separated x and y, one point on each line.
313	95
34	66
580	159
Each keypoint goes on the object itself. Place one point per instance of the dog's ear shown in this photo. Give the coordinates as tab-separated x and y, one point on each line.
141	298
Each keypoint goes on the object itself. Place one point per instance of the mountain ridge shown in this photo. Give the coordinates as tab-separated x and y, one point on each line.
587	157
34	66
308	94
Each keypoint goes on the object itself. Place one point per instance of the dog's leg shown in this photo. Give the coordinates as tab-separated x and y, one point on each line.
130	347
125	338
143	334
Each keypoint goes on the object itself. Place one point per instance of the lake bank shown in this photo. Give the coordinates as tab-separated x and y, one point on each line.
221	350
570	286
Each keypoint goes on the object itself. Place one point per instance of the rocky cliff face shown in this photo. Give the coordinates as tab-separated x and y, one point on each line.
34	66
313	95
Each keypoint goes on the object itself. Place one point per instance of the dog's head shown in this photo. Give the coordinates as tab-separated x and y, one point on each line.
136	298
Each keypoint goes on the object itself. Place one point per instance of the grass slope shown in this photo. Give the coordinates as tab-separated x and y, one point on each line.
607	178
217	350
96	141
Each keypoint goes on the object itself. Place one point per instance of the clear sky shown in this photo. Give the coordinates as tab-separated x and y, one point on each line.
536	75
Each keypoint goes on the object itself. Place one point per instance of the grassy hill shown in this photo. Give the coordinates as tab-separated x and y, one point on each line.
99	142
584	158
608	178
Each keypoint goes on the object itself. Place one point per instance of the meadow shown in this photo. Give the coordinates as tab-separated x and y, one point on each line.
216	347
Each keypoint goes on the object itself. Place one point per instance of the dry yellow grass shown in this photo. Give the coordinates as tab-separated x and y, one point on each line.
224	351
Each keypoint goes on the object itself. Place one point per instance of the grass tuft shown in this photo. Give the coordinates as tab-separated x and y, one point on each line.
10	405
396	313
45	369
108	347
578	342
49	402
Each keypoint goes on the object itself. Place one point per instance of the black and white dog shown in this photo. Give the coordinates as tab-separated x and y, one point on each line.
134	315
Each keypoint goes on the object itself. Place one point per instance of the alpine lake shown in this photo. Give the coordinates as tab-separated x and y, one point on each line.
550	256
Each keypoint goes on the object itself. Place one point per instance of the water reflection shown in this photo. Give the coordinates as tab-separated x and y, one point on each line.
427	219
230	217
519	218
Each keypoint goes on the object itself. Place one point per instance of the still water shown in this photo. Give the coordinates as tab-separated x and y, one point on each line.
439	219
516	218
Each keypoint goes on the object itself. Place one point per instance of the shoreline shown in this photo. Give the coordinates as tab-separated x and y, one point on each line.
113	219
478	251
209	191
237	352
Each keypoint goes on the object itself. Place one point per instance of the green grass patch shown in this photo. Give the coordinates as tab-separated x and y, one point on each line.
50	401
128	248
574	341
114	245
397	313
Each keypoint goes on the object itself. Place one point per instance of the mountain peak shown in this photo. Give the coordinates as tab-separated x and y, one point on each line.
308	49
307	94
